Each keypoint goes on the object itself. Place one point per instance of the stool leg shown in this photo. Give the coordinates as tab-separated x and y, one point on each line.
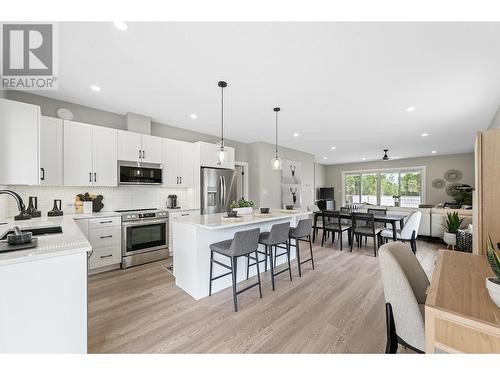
288	257
211	267
265	263
271	265
234	262
248	265
258	273
297	252
311	250
340	236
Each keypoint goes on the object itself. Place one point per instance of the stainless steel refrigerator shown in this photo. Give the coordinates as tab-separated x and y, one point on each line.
219	188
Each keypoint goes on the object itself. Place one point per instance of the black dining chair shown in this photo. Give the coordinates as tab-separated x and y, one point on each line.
363	225
335	225
377	211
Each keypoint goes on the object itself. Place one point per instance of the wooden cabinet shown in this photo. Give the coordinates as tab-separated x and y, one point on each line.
178	163
208	156
19	143
487	190
89	155
51	151
138	147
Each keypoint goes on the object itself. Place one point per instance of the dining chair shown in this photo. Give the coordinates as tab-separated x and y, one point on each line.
408	233
315	210
363	225
405	284
335	226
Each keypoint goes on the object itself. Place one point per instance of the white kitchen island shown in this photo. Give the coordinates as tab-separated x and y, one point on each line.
193	235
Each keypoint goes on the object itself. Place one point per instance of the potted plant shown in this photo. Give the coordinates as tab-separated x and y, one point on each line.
453	223
242	207
493	283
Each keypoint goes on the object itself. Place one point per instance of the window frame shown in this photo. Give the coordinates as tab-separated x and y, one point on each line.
378	171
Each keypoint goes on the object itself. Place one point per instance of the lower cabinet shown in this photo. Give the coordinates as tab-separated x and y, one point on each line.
104	234
175	215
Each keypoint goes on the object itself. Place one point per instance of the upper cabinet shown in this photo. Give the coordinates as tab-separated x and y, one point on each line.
19	143
178	163
51	151
208	156
138	147
90	155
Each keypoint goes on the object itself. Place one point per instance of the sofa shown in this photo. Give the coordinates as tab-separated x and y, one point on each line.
433	219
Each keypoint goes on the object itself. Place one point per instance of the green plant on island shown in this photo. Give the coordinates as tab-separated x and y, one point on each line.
242	203
453	222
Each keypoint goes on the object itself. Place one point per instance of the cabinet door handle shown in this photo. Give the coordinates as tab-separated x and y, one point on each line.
106	256
43	174
95	177
180	179
140	154
90	176
184	214
177	180
105	222
102	237
143	154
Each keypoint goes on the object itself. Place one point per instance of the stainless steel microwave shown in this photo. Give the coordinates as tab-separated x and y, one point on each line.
140	173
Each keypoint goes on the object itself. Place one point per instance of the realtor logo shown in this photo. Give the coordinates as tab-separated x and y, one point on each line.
28	57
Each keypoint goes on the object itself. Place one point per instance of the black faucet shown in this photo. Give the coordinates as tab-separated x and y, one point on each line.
23	215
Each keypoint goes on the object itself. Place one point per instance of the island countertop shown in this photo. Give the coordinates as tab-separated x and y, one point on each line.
218	221
70	241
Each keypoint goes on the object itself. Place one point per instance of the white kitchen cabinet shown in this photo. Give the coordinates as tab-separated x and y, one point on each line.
19	143
90	155
152	149
129	146
51	151
138	147
173	216
208	156
77	154
104	159
178	163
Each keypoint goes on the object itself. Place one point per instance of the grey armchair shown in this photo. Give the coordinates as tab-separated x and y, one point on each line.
405	284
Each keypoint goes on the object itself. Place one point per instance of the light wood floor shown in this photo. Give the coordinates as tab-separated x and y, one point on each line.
337	308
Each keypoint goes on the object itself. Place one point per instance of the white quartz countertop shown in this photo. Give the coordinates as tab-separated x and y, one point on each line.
217	221
70	241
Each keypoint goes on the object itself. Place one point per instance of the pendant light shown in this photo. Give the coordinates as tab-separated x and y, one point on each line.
222	153
276	161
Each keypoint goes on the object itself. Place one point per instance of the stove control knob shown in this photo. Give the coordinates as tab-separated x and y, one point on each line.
128	216
133	216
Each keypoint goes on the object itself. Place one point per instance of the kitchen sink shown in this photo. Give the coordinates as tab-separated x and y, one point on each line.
37	231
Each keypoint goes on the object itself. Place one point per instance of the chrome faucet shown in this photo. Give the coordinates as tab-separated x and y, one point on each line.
23	215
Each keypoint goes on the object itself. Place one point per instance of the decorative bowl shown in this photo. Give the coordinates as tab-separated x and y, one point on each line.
264	210
231	213
289	206
493	286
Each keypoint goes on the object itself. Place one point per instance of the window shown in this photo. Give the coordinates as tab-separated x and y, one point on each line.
380	187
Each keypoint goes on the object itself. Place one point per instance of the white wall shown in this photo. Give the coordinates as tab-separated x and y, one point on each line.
319	178
495	123
115	198
435	168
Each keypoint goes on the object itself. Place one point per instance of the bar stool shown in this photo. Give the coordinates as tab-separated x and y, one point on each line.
276	237
244	243
302	232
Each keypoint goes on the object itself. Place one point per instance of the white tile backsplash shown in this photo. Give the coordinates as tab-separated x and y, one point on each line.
115	198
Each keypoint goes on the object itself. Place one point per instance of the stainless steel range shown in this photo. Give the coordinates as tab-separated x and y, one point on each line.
144	236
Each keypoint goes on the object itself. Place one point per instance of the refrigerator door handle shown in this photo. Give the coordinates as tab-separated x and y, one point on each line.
221	186
224	191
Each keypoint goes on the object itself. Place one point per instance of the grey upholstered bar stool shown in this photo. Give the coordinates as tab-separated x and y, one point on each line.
274	239
244	243
302	232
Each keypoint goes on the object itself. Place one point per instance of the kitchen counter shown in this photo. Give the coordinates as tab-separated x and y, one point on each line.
70	241
192	236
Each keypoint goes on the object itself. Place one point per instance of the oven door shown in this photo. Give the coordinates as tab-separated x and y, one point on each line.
143	236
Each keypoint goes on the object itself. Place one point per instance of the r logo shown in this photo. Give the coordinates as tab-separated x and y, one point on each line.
27	50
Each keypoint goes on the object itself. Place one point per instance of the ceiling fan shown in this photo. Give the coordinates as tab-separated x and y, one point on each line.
386	157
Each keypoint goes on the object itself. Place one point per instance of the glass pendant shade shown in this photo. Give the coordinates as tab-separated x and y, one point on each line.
276	163
222	155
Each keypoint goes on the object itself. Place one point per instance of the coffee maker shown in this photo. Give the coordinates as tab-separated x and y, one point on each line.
172	201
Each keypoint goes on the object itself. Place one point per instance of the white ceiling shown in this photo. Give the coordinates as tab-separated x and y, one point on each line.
339	84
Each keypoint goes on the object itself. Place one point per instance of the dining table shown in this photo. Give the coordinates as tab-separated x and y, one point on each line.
388	218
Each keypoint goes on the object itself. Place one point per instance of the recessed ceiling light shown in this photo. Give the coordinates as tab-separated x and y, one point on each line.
425	134
120	25
324	157
95	88
333	147
434	152
363	159
193	116
295	134
410	109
